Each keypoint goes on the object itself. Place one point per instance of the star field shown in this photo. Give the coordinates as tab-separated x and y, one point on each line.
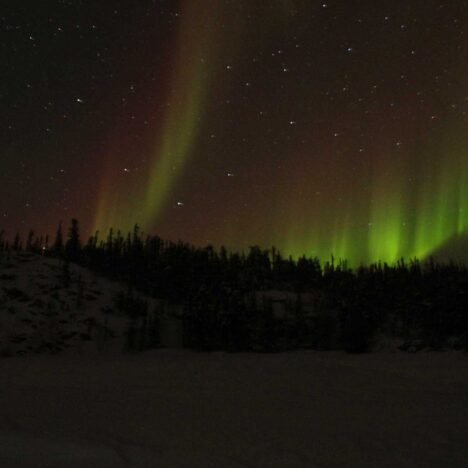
319	127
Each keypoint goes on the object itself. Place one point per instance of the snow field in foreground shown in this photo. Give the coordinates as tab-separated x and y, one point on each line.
186	409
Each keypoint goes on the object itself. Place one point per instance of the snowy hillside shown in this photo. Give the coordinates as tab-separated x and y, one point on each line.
49	306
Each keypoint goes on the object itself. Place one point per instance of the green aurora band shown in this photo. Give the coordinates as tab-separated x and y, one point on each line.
177	130
402	217
408	205
188	96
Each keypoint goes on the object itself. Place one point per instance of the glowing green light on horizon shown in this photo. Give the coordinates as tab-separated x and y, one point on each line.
407	203
407	216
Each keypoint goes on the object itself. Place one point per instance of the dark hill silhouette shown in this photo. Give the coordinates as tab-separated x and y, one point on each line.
455	249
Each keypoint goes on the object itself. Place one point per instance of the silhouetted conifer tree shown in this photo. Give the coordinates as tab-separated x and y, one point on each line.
17	242
29	241
73	245
58	243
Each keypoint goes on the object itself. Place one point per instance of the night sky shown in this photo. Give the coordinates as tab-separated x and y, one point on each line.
318	127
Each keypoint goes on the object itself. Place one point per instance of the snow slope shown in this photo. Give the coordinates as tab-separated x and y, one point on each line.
42	311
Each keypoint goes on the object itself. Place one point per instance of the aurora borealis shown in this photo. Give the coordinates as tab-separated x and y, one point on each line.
318	127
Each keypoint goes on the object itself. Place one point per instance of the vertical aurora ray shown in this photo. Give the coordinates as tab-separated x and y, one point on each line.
462	170
442	200
463	206
188	94
387	229
341	245
182	99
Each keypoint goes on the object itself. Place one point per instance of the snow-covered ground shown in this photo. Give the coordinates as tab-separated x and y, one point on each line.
92	405
41	312
175	408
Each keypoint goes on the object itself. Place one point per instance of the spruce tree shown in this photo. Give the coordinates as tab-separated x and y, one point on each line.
17	242
58	243
73	245
29	242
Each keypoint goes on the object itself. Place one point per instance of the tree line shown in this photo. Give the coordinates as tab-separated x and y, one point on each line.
423	303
